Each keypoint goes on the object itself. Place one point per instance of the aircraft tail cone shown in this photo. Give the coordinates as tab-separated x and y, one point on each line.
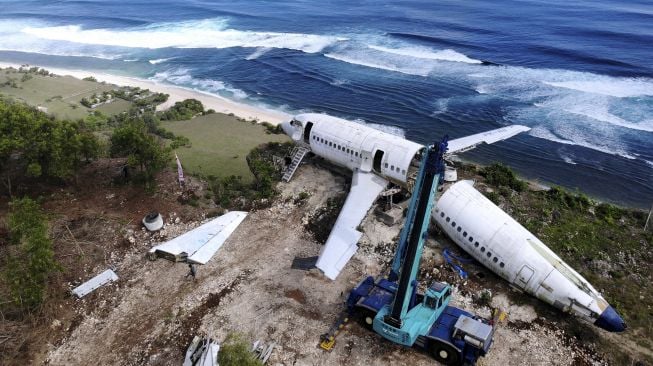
610	321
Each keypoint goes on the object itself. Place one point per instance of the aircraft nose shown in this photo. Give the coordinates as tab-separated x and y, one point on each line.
610	321
287	128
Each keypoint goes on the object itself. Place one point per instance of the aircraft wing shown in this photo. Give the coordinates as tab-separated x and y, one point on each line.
200	244
341	244
489	137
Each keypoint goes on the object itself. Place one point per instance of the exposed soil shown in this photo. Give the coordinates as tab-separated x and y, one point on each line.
150	315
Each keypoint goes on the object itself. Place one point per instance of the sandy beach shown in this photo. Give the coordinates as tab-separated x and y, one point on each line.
176	93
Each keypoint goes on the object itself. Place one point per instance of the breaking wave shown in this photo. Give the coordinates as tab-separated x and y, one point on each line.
393	130
581	140
621	88
208	33
159	60
428	54
182	77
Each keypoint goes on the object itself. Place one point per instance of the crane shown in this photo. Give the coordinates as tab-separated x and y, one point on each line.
395	309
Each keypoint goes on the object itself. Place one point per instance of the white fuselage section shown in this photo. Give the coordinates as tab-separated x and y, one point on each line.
501	244
355	146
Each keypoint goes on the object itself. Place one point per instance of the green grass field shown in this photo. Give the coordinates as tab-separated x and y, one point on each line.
61	95
220	144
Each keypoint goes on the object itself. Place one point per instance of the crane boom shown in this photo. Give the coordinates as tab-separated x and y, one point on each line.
411	243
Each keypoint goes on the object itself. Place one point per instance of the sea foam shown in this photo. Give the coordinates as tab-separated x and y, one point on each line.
208	33
183	77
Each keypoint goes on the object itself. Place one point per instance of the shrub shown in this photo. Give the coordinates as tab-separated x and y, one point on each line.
235	351
31	261
501	176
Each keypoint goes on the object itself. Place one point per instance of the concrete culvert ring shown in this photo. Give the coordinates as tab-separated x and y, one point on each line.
153	221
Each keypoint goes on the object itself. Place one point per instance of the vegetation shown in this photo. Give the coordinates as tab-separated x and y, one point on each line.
96	99
30	259
233	192
33	144
272	129
219	145
183	110
90	78
500	175
235	351
143	150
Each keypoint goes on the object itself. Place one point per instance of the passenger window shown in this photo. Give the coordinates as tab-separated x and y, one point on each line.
464	234
459	228
482	249
385	165
403	171
330	144
441	214
471	238
489	254
501	264
356	154
448	219
495	259
392	167
476	244
453	224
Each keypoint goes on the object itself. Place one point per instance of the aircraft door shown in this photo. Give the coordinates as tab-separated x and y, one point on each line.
307	132
378	158
523	277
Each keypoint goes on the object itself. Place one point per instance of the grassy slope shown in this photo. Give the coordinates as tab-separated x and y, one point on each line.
220	144
60	94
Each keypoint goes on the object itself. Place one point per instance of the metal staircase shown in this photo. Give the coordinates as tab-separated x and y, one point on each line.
297	155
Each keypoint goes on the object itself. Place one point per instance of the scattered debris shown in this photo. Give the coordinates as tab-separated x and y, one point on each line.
202	352
200	244
153	221
180	172
262	351
305	264
95	282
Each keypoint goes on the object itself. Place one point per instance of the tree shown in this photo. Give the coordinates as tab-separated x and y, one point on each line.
33	144
31	258
142	149
183	110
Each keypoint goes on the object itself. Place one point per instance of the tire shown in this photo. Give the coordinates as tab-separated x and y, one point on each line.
366	318
444	353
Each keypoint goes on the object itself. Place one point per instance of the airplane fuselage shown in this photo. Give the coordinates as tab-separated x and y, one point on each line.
356	146
504	246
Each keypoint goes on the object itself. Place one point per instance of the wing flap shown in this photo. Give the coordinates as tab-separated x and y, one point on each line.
488	137
341	244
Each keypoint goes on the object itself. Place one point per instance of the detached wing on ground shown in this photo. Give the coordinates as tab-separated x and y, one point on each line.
201	243
341	244
489	137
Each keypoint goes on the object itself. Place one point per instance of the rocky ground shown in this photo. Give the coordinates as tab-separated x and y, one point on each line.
150	315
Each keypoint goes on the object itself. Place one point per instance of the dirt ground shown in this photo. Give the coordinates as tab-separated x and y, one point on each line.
150	315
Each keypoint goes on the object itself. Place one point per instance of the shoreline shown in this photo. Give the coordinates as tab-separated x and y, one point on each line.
176	94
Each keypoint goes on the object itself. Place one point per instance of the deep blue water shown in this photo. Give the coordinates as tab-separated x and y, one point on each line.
578	73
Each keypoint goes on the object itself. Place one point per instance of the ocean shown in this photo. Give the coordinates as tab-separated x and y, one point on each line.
579	73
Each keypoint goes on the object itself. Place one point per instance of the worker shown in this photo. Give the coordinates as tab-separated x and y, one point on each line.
191	271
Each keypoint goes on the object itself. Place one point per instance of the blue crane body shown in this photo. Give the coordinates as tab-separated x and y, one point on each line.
393	307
